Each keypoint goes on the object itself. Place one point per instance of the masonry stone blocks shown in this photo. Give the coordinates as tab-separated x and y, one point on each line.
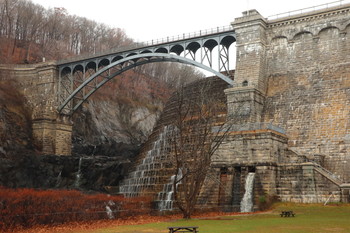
292	72
290	102
51	131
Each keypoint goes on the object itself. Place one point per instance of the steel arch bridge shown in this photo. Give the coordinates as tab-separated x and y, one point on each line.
80	78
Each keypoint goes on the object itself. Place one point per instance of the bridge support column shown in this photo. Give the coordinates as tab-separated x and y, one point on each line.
51	131
39	84
53	135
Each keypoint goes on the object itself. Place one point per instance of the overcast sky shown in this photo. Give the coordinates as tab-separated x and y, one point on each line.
144	20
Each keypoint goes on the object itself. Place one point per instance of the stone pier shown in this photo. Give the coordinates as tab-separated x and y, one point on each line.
39	83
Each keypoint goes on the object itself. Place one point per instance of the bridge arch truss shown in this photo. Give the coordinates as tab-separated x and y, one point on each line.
80	78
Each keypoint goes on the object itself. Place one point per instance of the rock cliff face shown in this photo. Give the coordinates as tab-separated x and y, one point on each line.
111	129
118	118
108	132
107	135
95	173
15	124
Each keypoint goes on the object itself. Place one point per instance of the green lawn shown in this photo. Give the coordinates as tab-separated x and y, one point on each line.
309	218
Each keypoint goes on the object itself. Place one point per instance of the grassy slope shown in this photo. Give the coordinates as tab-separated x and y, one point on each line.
309	218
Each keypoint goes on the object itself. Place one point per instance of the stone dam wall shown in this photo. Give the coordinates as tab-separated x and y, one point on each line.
308	84
291	105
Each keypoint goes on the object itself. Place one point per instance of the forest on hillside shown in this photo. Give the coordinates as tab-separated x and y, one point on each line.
30	33
129	104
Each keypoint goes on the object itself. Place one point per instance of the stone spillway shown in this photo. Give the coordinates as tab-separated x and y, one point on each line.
153	171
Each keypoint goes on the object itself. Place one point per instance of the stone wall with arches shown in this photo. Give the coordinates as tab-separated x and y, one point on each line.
308	80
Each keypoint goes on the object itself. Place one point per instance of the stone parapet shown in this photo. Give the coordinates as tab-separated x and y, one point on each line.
336	16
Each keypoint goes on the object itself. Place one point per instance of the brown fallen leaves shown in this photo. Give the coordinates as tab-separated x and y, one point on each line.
99	224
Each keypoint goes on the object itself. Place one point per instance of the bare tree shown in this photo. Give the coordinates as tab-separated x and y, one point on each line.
198	131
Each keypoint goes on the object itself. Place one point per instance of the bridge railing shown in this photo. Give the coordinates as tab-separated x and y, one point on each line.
309	9
185	36
137	45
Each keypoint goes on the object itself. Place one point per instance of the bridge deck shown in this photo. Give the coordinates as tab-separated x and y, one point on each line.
185	38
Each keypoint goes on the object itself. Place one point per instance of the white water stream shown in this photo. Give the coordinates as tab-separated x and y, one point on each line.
166	197
247	201
146	173
78	174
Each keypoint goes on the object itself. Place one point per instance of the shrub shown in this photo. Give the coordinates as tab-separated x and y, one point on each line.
28	207
265	202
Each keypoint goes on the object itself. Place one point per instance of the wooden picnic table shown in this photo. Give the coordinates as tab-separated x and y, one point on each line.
288	213
183	229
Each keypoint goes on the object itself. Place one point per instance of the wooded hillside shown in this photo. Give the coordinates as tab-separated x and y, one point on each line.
29	33
129	104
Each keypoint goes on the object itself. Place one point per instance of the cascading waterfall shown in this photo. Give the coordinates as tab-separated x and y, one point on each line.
78	175
166	197
247	201
145	173
59	179
109	210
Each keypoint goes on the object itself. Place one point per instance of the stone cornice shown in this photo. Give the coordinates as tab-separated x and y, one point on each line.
307	16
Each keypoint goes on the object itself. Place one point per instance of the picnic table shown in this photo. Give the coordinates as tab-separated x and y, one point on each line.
288	213
183	229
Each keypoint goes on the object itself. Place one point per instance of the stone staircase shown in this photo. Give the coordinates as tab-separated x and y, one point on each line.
317	167
327	174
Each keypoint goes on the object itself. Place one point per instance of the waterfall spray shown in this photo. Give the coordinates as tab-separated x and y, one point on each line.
247	201
78	175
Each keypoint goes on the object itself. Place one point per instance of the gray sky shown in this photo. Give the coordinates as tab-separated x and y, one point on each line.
144	20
